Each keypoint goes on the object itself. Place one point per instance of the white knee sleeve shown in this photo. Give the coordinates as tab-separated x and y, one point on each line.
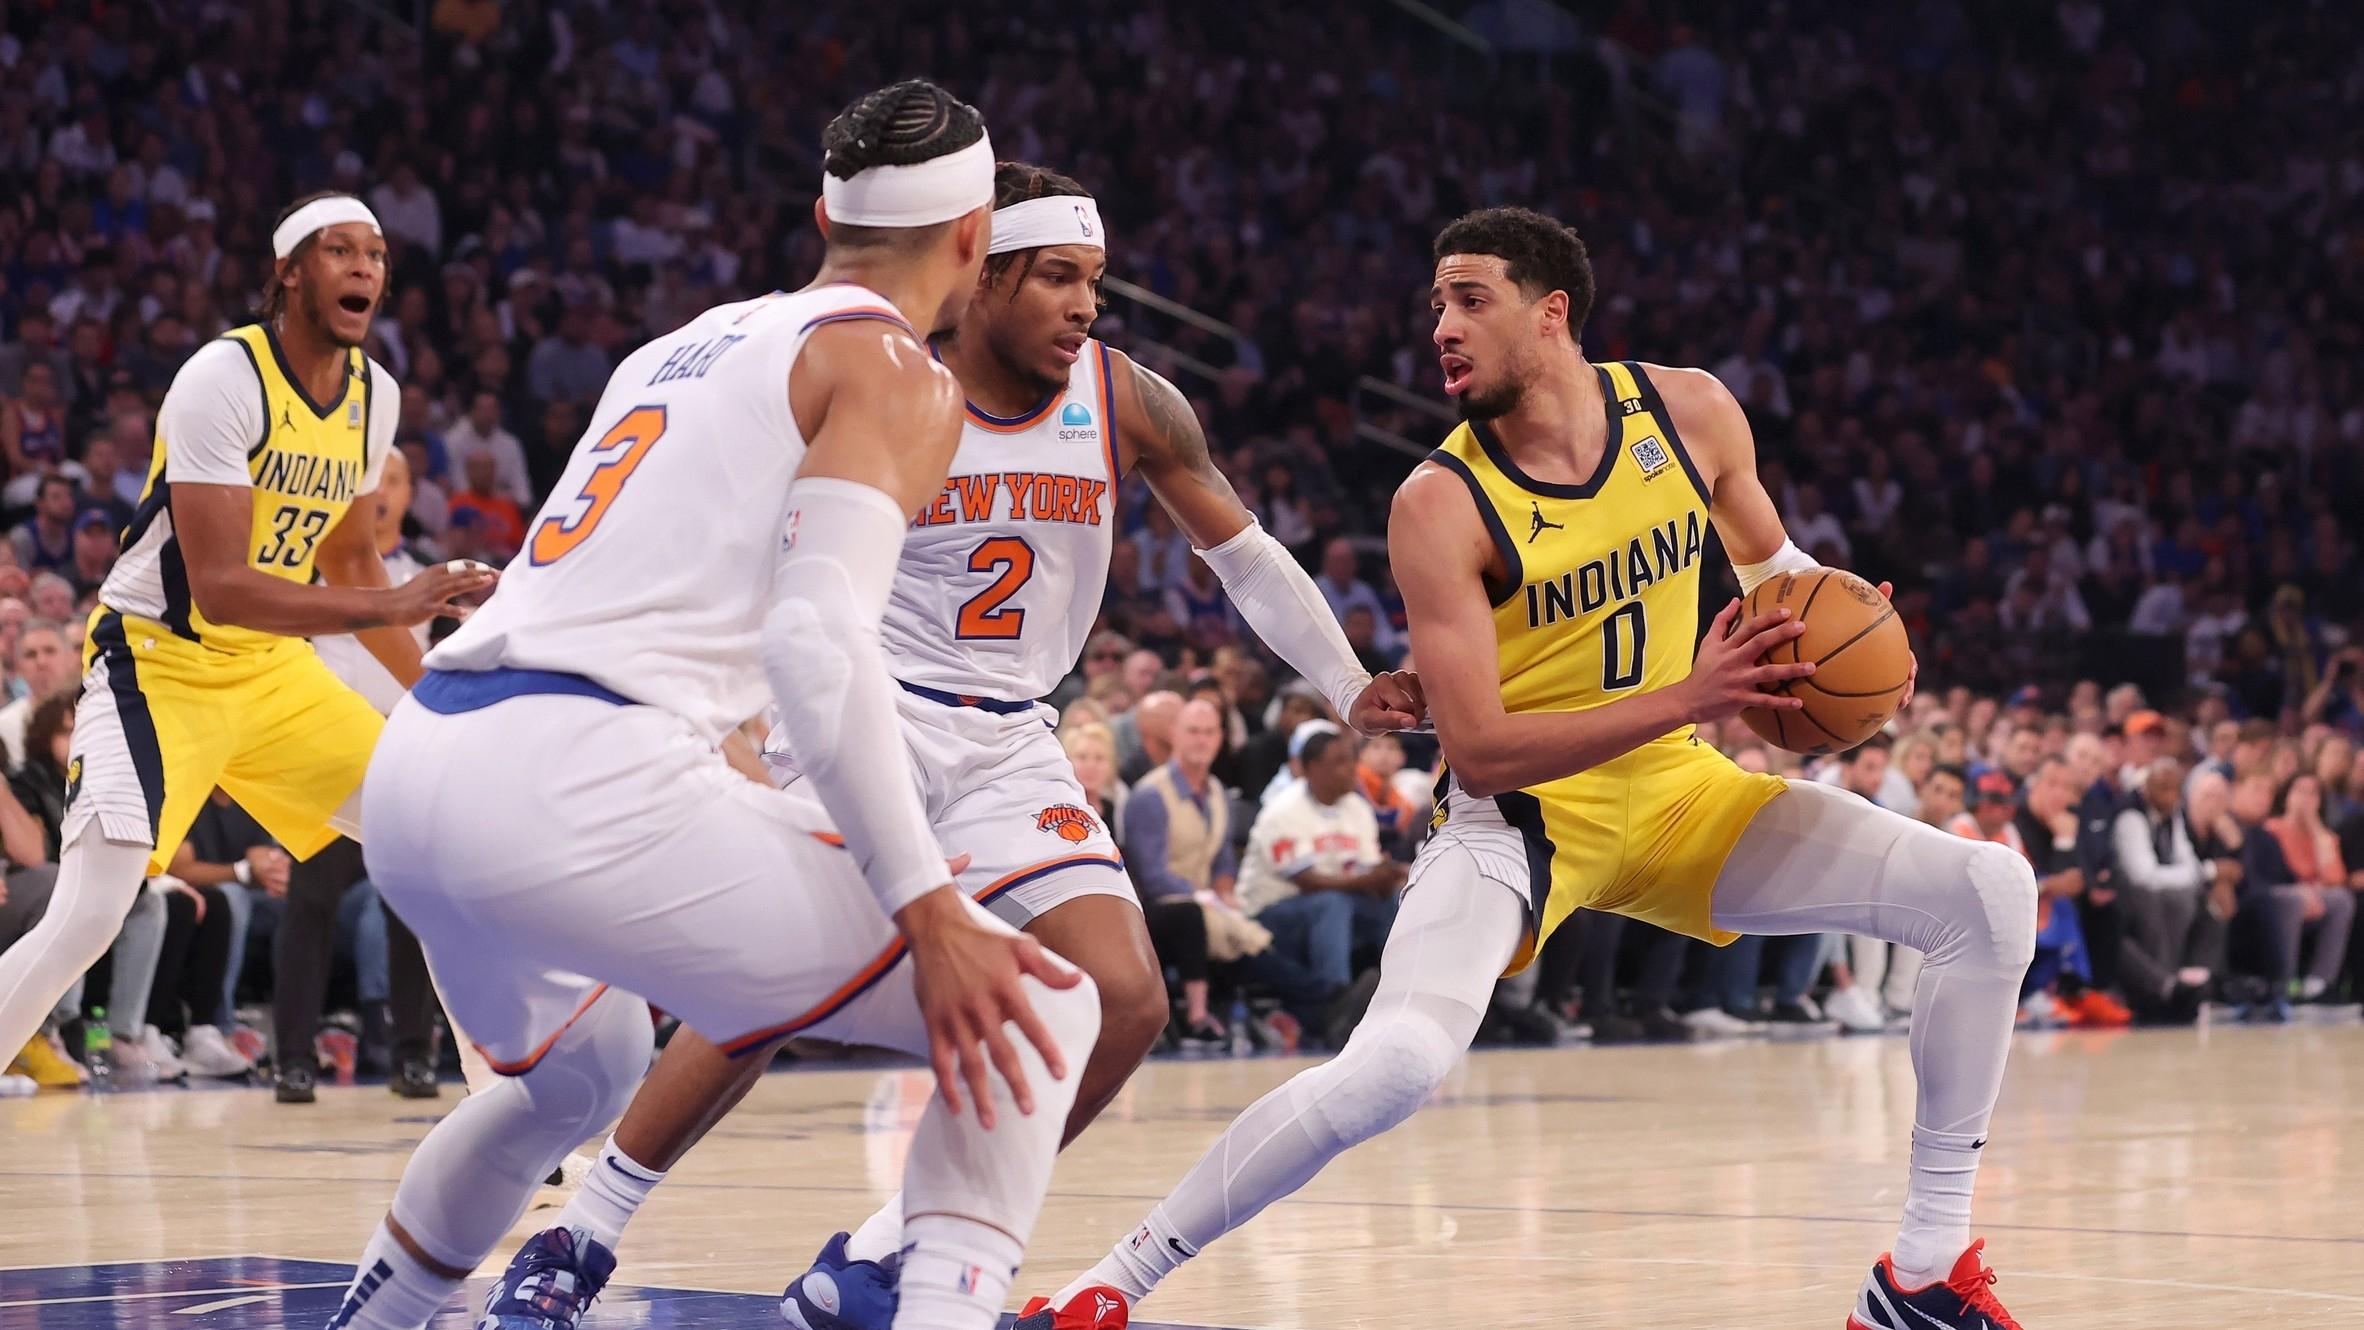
1394	1062
2005	888
96	886
998	1177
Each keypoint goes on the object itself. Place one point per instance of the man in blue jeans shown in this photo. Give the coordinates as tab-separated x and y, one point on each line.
1314	872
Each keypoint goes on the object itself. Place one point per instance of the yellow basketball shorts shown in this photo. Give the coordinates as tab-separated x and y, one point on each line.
163	721
1643	836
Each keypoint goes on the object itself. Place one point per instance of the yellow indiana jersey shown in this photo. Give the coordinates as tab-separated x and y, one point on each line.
1601	601
306	460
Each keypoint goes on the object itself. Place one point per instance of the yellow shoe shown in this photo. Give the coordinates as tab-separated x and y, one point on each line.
42	1061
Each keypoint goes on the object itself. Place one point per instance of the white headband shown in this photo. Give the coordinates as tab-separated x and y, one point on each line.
1060	219
921	194
319	214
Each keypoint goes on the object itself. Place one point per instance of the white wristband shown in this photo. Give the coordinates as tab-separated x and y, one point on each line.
244	872
1788	559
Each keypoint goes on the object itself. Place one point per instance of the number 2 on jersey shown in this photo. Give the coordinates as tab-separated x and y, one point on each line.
982	618
619	451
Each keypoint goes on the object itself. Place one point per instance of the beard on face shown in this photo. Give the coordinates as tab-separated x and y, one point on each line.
1500	400
308	296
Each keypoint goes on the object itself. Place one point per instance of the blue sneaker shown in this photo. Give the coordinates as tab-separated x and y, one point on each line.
549	1284
840	1293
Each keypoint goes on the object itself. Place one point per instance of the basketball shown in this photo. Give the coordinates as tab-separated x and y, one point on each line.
1862	661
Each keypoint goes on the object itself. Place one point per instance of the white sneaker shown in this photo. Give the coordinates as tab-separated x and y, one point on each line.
2311	987
208	1054
1856	1011
1717	1023
145	1060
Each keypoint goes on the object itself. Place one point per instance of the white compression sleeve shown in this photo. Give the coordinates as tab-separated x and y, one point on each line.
1287	610
828	670
1788	559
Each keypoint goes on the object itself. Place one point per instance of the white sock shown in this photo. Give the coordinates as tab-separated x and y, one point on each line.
881	1235
612	1192
1135	1266
1936	1226
391	1290
956	1274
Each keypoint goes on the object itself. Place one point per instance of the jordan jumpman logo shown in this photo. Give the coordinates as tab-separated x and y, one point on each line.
1542	526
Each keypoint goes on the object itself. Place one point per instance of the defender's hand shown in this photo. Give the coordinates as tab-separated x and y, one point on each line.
969	985
1730	674
434	592
1391	701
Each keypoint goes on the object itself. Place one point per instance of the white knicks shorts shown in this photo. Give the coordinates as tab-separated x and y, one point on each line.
546	846
998	788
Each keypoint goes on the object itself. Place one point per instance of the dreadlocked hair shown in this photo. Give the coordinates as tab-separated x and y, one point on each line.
902	124
1019	182
274	297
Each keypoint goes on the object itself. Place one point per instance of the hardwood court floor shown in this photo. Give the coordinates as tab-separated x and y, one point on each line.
2157	1180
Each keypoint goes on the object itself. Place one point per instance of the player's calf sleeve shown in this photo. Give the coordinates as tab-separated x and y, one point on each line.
1397	1058
96	884
477	1170
973	1195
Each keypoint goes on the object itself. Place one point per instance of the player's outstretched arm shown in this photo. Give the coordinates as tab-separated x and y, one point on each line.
1439	553
213	524
1272	592
882	419
349	557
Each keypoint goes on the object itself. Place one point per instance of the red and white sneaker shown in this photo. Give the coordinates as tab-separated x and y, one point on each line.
1963	1300
1097	1307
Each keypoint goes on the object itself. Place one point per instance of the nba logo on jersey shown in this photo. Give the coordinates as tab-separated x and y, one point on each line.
1650	455
352	413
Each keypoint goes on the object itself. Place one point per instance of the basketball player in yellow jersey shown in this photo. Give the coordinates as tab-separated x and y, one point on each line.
196	671
1549	557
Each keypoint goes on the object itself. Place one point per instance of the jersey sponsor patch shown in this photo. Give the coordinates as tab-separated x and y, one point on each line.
1651	456
1067	822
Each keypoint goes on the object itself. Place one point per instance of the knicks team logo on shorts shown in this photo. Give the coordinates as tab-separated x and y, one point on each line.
1651	456
1068	822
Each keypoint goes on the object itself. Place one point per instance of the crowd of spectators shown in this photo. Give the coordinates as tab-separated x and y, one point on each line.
2049	316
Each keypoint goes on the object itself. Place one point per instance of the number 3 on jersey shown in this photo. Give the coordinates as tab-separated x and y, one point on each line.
619	451
982	618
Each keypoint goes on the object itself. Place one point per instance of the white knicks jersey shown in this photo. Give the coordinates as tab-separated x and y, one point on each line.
650	569
1002	575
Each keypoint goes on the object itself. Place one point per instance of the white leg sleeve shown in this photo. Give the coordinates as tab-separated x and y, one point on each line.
96	884
972	1195
1454	933
1818	859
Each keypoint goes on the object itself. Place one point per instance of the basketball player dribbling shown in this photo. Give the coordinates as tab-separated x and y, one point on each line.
552	811
196	671
1563	523
999	584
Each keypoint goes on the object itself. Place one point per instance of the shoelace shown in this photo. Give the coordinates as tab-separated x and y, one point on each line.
1977	1292
545	1298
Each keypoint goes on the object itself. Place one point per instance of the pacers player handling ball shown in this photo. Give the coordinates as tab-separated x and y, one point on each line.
1576	780
197	673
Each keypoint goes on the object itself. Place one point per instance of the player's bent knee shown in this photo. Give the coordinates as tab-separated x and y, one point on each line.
2001	932
1133	1011
1389	1069
587	1078
1071	1015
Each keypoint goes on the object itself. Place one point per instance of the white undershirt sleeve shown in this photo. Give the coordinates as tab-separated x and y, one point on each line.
212	417
385	416
828	670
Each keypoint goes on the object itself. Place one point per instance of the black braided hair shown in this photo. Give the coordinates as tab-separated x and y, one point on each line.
1017	182
274	298
901	124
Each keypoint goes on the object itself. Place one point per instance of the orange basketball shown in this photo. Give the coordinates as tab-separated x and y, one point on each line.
1862	661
